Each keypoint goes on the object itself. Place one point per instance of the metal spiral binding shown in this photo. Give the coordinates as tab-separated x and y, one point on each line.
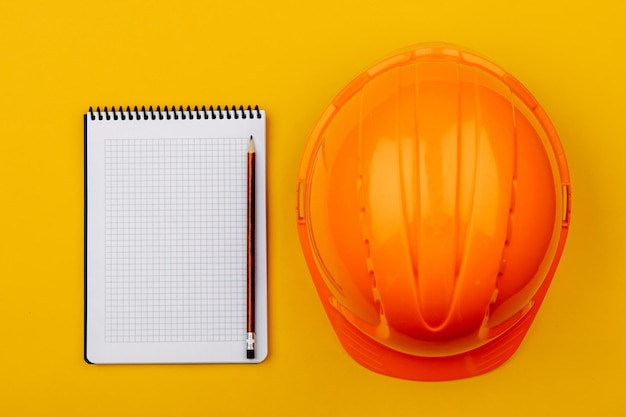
169	113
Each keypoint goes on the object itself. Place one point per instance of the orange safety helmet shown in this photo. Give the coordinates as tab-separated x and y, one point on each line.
433	206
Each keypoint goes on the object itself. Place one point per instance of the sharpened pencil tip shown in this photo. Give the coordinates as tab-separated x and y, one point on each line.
251	146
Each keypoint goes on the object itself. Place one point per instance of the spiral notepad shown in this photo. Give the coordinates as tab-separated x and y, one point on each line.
165	234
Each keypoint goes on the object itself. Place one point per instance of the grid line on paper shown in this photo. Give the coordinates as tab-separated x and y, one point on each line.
175	240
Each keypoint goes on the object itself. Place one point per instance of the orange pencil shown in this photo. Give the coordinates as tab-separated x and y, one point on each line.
251	256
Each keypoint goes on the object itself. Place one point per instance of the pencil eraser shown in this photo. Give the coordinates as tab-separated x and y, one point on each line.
250	354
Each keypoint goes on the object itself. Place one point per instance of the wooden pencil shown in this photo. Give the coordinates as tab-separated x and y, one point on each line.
251	336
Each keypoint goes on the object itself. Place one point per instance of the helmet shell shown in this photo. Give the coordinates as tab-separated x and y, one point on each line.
433	206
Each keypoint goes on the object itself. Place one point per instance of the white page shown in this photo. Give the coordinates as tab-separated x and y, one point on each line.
166	207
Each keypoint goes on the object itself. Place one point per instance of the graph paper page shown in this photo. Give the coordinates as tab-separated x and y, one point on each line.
166	225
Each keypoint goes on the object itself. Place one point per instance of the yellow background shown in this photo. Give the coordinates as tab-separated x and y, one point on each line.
58	58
